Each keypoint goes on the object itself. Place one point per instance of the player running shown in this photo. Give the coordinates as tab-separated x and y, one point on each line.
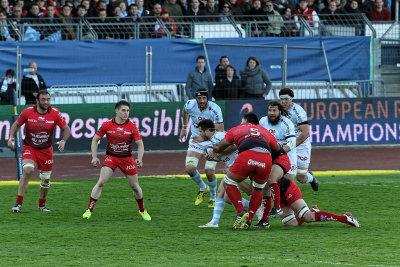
303	144
199	109
40	121
120	133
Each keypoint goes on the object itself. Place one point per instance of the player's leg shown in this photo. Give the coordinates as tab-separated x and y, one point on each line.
276	173
138	194
28	167
212	181
193	156
303	161
218	207
105	173
45	166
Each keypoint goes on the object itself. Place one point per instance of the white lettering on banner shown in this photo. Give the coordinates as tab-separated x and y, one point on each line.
120	147
256	163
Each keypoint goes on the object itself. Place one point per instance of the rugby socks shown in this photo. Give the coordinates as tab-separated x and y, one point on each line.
42	202
267	207
20	199
322	216
199	181
235	197
92	202
255	202
299	221
140	204
276	194
245	203
218	209
310	178
213	188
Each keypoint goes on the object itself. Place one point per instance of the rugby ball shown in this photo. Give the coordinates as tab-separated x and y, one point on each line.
218	159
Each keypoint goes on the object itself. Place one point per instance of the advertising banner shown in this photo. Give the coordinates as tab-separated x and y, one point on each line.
158	123
337	121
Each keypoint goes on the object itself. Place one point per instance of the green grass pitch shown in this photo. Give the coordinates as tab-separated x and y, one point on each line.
117	236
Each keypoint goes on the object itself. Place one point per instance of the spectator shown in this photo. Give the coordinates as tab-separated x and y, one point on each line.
81	12
275	20
245	6
226	12
253	80
309	15
124	12
141	10
4	30
281	5
5	6
50	18
8	87
173	8
235	8
229	87
220	69
199	78
379	13
195	10
256	13
184	6
211	10
313	4
169	24
102	31
31	84
352	7
16	14
42	7
33	14
68	32
133	13
289	27
332	10
90	12
156	12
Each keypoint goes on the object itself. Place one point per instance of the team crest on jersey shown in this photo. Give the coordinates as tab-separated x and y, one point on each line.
40	125
119	136
285	162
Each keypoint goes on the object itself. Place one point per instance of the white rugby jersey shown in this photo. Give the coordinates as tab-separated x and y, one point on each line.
212	112
298	116
281	131
229	159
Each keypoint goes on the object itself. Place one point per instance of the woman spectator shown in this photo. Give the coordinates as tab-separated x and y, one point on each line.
122	6
230	87
255	80
289	27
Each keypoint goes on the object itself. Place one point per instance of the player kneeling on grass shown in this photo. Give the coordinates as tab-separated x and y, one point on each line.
292	202
120	133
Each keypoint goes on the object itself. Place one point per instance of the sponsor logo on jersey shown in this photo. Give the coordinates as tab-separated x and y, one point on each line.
32	120
302	158
127	132
41	118
256	163
49	121
120	147
120	129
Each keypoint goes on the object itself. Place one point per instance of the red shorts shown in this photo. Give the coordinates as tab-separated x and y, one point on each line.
292	194
42	157
253	163
284	162
127	165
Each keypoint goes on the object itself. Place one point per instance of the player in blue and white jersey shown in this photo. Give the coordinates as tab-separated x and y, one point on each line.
207	132
199	109
303	144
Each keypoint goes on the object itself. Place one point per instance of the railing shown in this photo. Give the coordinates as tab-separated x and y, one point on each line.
111	93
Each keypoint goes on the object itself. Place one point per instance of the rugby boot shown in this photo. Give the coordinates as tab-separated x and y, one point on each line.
275	211
16	208
262	224
44	208
201	195
145	215
246	225
209	225
351	220
314	182
240	218
211	203
87	214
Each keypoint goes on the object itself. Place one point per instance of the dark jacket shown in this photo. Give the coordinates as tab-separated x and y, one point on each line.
6	98
253	81
228	89
29	86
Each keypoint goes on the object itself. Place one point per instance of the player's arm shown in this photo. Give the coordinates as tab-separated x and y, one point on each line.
221	146
139	160
219	127
291	143
185	117
66	132
95	144
305	133
13	131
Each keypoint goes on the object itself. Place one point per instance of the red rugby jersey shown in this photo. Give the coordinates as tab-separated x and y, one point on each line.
119	137
39	127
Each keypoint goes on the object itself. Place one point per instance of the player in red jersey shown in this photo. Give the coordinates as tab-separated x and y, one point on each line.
40	121
255	145
292	202
120	133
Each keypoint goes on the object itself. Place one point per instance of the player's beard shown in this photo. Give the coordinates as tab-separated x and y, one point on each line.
273	121
43	107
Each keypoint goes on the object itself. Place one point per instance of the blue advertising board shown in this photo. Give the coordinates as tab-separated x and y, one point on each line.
337	121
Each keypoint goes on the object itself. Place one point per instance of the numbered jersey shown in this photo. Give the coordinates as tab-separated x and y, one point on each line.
212	112
119	137
283	130
249	136
298	116
39	127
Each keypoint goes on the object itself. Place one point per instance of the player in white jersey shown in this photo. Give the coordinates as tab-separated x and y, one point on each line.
303	145
199	109
282	129
207	132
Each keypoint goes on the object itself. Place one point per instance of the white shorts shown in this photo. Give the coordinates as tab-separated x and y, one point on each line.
200	148
293	161
303	155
